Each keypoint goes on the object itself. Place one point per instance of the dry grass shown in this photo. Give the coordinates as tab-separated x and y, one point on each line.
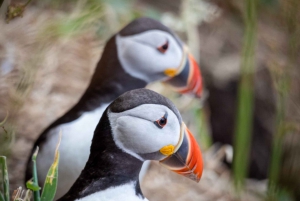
54	74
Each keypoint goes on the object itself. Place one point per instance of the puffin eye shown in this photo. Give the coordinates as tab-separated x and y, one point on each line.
160	123
164	47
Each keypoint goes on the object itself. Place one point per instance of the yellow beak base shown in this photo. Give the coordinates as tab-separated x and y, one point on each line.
170	72
167	150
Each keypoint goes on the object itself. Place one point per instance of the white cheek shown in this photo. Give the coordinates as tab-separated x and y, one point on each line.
140	58
141	137
133	59
135	134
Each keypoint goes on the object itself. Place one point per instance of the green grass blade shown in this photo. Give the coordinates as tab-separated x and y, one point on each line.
36	194
243	127
284	84
1	197
204	136
4	178
275	164
50	184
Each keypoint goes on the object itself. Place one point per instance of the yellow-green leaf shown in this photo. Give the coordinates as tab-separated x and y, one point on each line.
50	184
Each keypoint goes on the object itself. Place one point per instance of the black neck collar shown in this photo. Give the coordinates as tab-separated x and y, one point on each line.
108	166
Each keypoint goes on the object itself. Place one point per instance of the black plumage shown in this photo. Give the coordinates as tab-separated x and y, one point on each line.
108	165
106	85
108	82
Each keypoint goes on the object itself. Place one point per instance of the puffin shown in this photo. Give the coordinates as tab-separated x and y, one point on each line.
139	125
142	52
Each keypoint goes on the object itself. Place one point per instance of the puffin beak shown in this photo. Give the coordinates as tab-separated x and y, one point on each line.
187	77
186	159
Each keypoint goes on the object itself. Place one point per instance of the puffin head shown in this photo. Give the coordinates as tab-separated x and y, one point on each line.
148	126
150	51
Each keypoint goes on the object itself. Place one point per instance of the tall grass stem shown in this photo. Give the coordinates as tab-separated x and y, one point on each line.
4	178
243	126
36	194
283	82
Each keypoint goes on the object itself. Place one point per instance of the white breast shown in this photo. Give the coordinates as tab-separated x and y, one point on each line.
74	149
124	192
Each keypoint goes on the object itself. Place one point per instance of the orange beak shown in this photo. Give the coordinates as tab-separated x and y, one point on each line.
187	159
187	78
